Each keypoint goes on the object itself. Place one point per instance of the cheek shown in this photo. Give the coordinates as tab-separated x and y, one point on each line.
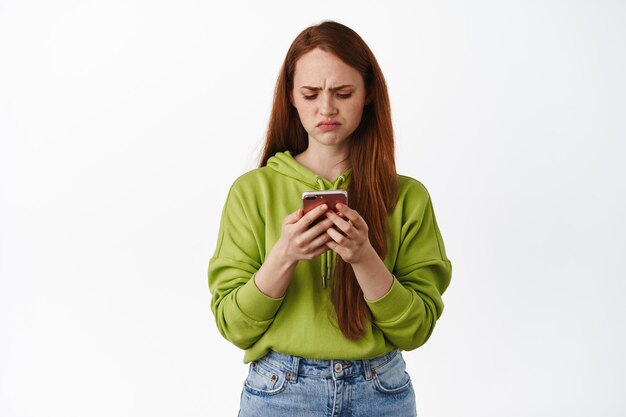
307	113
302	106
356	113
305	117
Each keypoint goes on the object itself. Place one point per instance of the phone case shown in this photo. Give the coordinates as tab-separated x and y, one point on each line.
312	199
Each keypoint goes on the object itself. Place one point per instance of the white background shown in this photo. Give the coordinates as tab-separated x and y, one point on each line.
123	124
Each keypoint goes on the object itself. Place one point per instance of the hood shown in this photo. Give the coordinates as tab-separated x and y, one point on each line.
285	163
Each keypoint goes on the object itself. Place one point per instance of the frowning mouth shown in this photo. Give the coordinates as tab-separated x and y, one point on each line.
328	125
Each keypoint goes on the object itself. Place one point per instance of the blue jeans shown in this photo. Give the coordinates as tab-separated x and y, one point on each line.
280	385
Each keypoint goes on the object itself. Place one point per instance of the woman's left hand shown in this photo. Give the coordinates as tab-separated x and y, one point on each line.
353	245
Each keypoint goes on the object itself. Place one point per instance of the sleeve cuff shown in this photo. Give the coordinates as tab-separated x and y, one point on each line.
256	305
391	306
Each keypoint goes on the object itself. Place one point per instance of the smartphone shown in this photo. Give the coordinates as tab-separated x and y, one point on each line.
312	199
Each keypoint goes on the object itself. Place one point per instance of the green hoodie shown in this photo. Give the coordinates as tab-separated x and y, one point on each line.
303	321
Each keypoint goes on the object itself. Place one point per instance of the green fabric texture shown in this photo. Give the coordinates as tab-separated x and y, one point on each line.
303	321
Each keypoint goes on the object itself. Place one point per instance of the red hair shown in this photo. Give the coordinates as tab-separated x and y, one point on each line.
374	186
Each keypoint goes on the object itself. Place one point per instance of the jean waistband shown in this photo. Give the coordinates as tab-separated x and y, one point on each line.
294	366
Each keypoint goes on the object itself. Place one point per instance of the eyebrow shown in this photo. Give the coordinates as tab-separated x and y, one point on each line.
339	87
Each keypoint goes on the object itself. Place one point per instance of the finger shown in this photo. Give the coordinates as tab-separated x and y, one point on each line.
317	230
310	217
318	251
351	215
303	239
293	217
338	237
335	247
320	240
342	224
310	236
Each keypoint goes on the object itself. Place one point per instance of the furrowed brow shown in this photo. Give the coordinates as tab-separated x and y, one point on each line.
339	87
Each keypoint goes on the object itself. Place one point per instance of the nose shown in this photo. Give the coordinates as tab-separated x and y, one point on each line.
327	105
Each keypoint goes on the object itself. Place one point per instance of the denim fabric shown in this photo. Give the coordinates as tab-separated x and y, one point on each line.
280	385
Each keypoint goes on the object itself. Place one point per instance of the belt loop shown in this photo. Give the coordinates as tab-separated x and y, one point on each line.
368	369
295	365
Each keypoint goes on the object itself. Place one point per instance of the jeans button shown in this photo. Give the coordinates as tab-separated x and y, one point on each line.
338	367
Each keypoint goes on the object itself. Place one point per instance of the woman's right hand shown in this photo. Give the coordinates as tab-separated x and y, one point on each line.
299	240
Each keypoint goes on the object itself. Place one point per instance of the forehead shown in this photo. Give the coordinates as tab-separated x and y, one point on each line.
321	68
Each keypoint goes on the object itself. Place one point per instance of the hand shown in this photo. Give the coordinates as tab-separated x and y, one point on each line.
298	241
351	240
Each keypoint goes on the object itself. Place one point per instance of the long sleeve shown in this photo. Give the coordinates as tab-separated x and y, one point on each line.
408	312
242	312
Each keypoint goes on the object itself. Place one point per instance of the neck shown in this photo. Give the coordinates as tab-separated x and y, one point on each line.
327	161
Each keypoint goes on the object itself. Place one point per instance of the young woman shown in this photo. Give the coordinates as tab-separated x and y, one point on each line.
323	302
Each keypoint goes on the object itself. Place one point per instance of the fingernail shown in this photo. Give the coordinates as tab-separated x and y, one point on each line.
324	206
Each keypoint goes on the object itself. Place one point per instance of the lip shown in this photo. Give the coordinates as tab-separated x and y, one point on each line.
327	125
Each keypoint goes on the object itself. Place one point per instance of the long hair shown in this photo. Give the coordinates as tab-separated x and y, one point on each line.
374	186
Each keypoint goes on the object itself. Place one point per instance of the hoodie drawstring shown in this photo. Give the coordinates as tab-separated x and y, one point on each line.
327	269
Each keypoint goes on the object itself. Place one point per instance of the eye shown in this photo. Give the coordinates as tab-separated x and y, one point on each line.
344	95
310	97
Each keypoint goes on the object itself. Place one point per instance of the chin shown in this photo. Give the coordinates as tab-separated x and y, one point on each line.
332	142
331	139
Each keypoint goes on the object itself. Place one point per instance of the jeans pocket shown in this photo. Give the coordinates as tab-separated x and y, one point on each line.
392	378
264	381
